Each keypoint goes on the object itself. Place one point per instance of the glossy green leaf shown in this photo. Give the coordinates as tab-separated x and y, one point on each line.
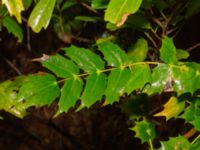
138	51
172	108
118	10
88	18
116	83
59	65
99	4
14	7
195	146
85	59
8	97
179	143
196	123
113	54
94	90
160	77
39	90
140	75
13	27
144	130
70	93
41	15
168	51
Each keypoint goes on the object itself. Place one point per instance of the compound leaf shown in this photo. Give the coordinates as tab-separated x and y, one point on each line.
94	90
116	83
168	51
140	75
38	90
113	54
85	59
41	15
70	93
59	65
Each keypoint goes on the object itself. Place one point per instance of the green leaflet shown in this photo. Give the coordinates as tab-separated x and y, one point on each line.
138	51
27	3
118	10
68	4
179	143
41	15
94	90
8	97
39	90
14	7
160	76
140	75
116	83
182	54
12	27
70	93
85	59
59	65
113	54
168	51
144	130
99	4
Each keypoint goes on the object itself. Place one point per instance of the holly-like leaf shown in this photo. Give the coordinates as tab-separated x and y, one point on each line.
116	83
41	15
179	143
85	59
118	10
12	27
140	75
39	90
160	77
70	93
172	108
59	65
144	130
113	54
168	51
94	90
138	51
14	7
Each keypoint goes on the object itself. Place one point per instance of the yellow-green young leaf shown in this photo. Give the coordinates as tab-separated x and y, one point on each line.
41	15
39	90
144	130
59	65
172	108
85	59
70	93
175	143
94	90
182	54
138	51
118	10
8	97
14	7
140	75
168	51
11	25
116	83
113	54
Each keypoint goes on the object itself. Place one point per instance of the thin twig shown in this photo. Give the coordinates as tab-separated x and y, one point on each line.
13	66
193	47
